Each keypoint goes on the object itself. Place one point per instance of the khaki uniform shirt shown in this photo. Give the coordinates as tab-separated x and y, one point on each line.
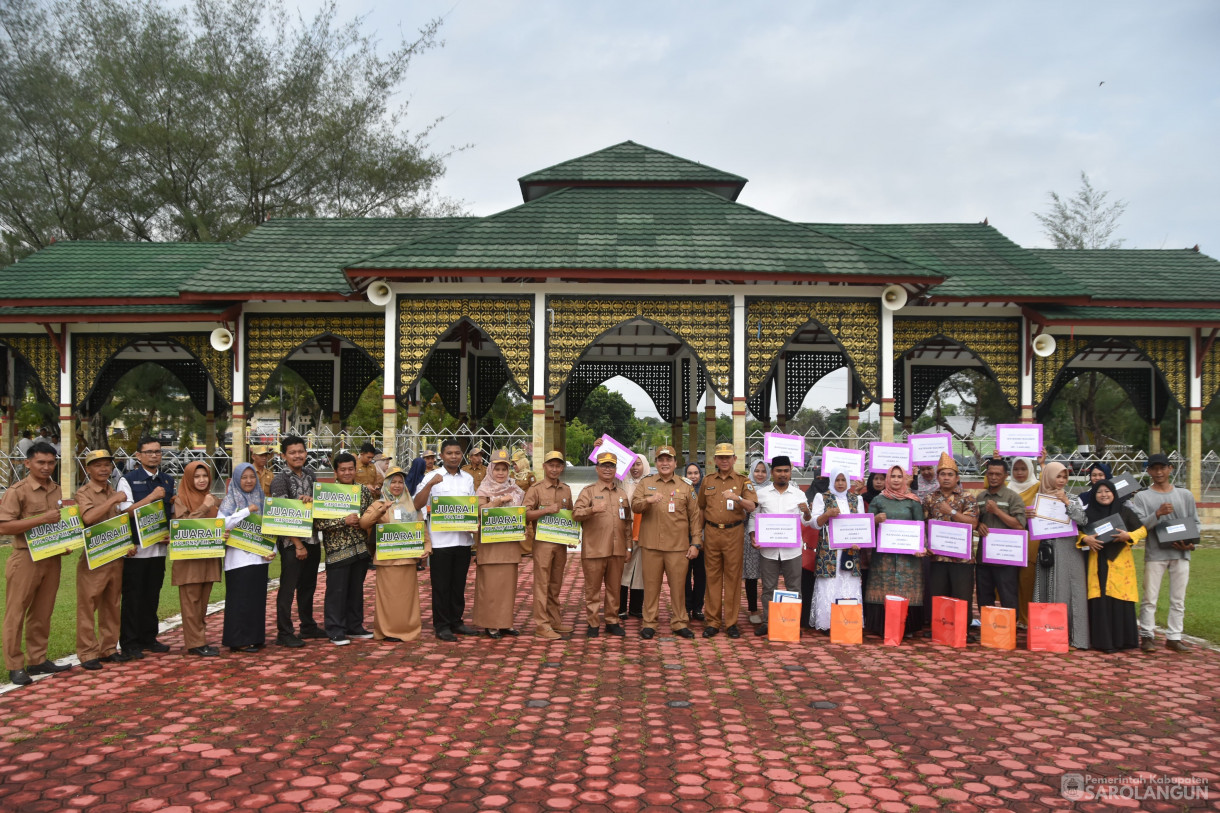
264	479
368	475
603	533
91	495
714	504
524	479
662	529
26	499
477	473
540	494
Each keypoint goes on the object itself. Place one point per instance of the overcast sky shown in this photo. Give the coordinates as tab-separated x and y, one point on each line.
873	112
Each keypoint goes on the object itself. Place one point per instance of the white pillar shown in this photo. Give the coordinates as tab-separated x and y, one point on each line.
886	393
739	379
1194	421
67	426
538	398
1027	373
389	384
237	418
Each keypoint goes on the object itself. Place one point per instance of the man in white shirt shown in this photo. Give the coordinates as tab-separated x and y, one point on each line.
450	559
779	497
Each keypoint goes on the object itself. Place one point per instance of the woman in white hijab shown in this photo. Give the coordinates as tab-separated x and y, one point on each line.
760	475
631	592
837	571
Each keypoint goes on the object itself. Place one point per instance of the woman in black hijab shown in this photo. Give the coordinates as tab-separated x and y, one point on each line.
1113	593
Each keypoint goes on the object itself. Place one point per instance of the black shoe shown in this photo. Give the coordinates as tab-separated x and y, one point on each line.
157	646
615	629
248	648
697	615
289	640
446	635
648	633
361	633
466	629
493	634
593	632
315	634
339	640
19	677
510	632
684	633
47	667
760	630
136	654
710	632
202	651
92	665
636	613
117	657
391	639
732	631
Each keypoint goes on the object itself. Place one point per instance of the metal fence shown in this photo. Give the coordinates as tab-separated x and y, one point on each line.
410	444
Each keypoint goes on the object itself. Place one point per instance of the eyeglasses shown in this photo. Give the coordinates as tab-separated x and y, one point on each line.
150	452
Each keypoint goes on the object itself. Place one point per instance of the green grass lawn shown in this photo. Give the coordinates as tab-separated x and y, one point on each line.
63	621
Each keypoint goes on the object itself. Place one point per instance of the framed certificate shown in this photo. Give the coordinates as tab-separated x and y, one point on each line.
1002	546
851	531
848	461
1018	439
884	456
625	456
791	445
900	536
950	538
1049	508
777	530
927	449
1041	528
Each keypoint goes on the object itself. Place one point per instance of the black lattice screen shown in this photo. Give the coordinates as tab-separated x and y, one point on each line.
759	404
700	382
925	380
320	376
444	373
356	372
1136	383
195	378
802	371
488	376
655	378
190	373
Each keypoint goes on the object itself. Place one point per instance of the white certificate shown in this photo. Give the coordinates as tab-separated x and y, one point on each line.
1002	546
625	457
848	461
1040	528
777	530
850	531
927	449
900	536
1048	507
885	456
1018	439
950	538
775	444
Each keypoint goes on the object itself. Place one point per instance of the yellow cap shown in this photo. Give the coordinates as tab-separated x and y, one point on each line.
260	449
394	470
427	453
98	454
554	456
724	450
607	457
665	450
500	456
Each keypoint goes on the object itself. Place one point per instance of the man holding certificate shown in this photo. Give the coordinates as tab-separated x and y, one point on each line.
780	497
550	558
603	510
1002	508
98	589
725	498
450	561
144	572
952	576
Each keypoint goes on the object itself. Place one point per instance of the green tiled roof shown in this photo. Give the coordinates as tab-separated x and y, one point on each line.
630	164
641	229
307	255
1098	313
1151	274
102	310
86	268
976	259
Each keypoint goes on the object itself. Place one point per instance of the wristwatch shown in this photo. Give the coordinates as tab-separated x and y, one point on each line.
696	546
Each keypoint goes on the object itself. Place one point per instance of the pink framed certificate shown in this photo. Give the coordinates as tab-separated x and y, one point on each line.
1041	528
848	461
1018	439
1002	546
777	530
884	456
900	536
851	531
950	538
625	456
927	449
792	445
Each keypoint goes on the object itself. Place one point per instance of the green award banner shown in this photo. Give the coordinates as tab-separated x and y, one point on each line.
502	525
196	539
559	528
335	500
285	517
108	540
247	535
152	526
454	514
53	538
400	540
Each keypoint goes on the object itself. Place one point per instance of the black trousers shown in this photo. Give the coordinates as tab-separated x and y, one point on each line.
138	623
997	581
299	579
808	580
343	607
955	580
447	570
245	621
696	584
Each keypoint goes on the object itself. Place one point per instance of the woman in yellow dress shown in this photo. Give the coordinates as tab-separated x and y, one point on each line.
1113	593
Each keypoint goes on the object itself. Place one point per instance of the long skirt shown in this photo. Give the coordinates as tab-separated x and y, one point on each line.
1112	624
245	621
1066	583
826	589
751	565
633	571
396	593
495	592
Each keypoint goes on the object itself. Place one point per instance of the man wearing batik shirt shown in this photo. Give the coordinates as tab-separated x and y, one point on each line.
950	503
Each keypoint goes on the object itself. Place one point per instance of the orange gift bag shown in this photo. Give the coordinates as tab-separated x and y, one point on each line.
895	620
784	621
1048	628
999	627
846	623
949	621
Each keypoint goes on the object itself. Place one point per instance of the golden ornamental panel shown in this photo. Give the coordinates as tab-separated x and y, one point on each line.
1045	368
272	338
422	321
39	352
1172	357
995	342
855	324
91	352
1211	374
705	324
218	365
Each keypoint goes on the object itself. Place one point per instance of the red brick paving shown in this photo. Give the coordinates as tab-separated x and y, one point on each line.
586	725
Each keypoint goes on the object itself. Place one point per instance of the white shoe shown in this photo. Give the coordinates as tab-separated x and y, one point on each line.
755	618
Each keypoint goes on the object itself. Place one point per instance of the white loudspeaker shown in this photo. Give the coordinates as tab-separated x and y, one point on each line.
221	340
379	293
893	297
1044	344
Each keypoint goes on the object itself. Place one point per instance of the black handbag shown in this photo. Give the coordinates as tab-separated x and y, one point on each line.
1046	555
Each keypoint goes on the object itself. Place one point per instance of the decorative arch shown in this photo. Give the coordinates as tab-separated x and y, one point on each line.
702	323
1169	357
39	353
271	339
654	377
803	370
993	342
94	365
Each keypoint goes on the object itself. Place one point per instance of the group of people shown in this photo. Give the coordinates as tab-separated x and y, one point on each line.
695	531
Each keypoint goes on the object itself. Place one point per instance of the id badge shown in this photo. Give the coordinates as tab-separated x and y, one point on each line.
671	506
622	512
729	505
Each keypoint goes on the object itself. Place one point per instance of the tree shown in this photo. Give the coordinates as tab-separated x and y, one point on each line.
1084	221
609	413
144	120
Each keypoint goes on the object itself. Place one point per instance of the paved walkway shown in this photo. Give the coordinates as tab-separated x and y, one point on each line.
607	725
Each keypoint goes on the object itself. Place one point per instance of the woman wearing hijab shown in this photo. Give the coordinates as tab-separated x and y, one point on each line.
495	581
1024	480
895	574
837	572
1063	582
631	591
1098	472
696	576
194	577
751	569
396	585
245	618
1113	592
874	485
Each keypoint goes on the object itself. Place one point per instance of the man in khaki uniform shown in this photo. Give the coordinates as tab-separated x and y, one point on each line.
367	473
523	476
476	468
98	591
725	498
550	558
669	532
30	586
260	456
604	513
